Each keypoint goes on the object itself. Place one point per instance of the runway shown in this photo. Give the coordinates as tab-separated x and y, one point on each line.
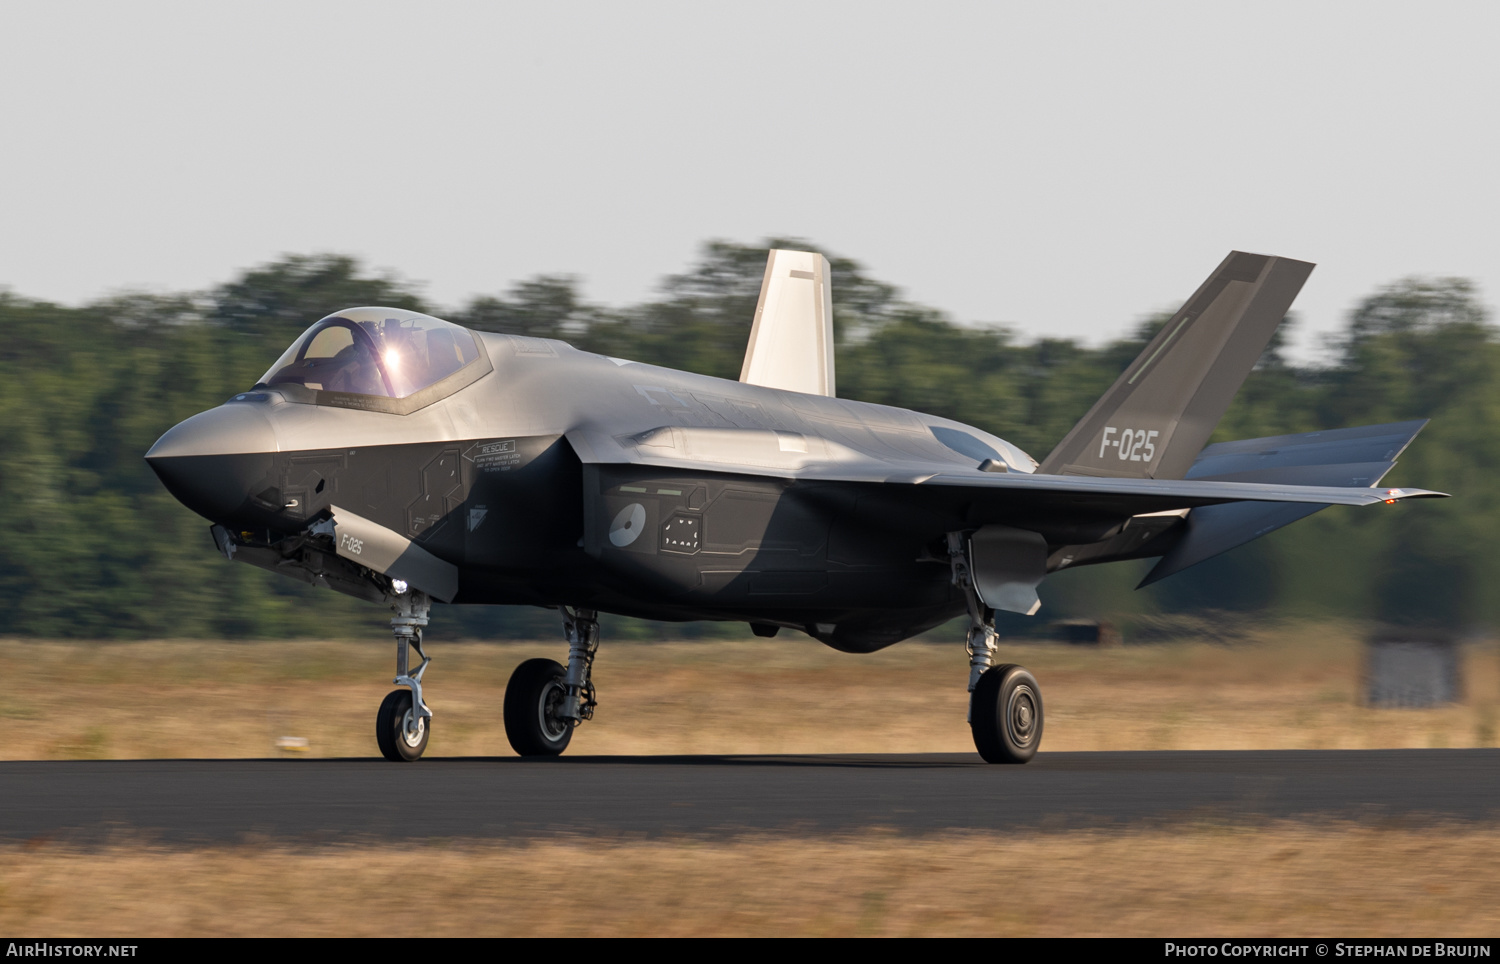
326	801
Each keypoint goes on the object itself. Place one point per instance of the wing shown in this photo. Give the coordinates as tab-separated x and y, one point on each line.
793	455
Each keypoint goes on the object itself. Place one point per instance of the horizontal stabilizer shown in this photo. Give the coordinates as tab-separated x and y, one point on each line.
1367	443
791	342
1159	413
1353	458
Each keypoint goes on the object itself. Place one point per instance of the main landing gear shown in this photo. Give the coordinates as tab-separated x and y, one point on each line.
1005	702
404	723
544	701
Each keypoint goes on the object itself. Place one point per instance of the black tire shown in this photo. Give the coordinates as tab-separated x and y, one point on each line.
390	729
1005	713
535	690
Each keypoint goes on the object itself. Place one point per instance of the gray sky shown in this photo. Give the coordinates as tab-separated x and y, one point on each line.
1062	168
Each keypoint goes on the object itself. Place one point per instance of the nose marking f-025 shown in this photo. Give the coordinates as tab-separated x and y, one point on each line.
1133	444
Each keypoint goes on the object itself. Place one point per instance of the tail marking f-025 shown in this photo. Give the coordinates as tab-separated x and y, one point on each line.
1132	444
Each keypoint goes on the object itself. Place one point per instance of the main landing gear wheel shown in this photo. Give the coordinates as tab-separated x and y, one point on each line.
535	701
1005	714
401	736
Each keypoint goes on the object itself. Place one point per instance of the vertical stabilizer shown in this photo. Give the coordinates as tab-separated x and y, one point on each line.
1157	417
791	343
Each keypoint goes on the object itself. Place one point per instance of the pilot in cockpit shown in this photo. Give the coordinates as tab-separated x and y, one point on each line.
356	372
374	351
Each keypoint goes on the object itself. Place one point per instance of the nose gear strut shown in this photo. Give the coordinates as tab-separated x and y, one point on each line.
404	723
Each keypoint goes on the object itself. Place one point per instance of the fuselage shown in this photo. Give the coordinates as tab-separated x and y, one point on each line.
565	477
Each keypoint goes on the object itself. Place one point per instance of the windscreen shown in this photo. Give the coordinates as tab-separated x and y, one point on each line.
385	352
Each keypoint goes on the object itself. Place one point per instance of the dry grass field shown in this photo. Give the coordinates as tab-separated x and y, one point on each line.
1294	687
1279	687
1193	881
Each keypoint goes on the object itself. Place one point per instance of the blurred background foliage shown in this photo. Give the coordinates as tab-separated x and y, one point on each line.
92	546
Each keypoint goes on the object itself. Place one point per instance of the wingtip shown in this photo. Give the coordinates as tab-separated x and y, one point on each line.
1400	495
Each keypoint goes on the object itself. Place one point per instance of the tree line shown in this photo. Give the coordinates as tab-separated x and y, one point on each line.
91	545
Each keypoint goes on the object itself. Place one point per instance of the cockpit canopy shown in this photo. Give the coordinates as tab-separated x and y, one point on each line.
378	352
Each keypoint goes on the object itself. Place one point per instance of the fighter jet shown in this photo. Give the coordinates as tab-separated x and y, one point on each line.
402	459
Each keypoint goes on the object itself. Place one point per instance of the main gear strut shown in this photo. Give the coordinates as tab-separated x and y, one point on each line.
1005	702
981	642
581	627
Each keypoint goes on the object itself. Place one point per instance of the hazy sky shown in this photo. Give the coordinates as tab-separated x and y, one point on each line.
1062	168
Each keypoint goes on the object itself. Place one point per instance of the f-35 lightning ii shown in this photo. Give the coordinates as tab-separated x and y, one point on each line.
403	459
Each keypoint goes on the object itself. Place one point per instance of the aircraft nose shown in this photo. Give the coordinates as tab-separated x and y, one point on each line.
212	462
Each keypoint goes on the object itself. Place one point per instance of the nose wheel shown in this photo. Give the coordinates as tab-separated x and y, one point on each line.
401	733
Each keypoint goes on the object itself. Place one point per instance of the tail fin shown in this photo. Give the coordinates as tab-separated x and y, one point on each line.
1157	417
791	343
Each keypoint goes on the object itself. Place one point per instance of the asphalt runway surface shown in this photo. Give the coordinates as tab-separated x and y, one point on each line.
325	801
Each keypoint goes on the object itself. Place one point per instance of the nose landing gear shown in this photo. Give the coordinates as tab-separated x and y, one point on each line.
404	723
